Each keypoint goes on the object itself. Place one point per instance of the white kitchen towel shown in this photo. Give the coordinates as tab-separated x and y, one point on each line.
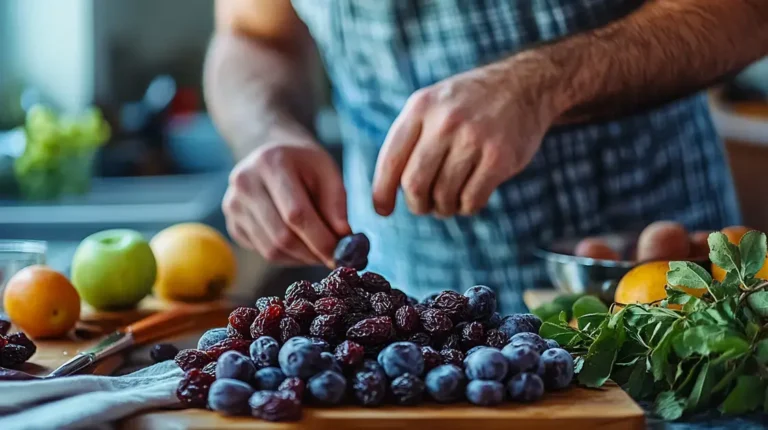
86	401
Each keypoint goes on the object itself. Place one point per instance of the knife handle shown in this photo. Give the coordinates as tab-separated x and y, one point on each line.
162	324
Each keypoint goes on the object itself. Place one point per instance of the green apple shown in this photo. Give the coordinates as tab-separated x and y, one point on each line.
113	269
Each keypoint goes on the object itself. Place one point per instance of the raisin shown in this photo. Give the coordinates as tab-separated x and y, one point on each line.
432	358
452	342
371	331
496	339
21	339
193	388
357	303
382	305
188	359
420	308
263	302
453	356
210	369
163	352
369	388
326	327
275	406
429	301
289	328
375	283
13	355
320	343
268	322
300	290
3	341
352	251
349	276
332	286
241	319
407	389
472	335
436	322
458	328
407	319
5	325
373	351
353	318
399	299
239	345
233	333
293	385
493	321
302	311
421	339
453	304
330	306
349	353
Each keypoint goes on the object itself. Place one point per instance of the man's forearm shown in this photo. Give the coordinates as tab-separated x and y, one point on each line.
256	91
665	50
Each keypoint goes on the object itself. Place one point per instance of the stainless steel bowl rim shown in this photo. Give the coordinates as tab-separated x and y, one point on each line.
586	261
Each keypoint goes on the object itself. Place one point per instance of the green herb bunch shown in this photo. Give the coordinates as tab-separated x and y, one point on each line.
686	353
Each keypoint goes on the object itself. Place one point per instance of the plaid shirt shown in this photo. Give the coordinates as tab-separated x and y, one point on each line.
588	179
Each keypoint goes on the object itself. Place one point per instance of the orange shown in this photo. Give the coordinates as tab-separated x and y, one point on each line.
734	235
194	263
42	302
645	284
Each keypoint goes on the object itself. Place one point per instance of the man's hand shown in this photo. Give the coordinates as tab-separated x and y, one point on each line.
287	201
455	142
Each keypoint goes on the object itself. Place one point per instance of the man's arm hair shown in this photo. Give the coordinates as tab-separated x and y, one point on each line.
664	50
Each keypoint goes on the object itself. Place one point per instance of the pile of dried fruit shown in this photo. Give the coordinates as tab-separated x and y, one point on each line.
16	348
354	337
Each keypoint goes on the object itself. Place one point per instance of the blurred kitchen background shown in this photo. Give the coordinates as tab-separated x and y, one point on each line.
149	157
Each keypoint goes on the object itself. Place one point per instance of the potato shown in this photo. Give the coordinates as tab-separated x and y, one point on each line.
596	248
663	240
699	245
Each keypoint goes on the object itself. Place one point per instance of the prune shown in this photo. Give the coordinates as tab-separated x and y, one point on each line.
21	339
333	286
487	364
352	251
431	358
241	319
407	390
13	355
531	339
452	356
522	358
240	345
472	335
453	304
163	352
329	362
356	302
481	302
275	406
558	368
406	320
369	388
263	302
302	311
188	359
513	324
420	338
300	290
552	344
234	365
496	339
264	352
293	385
493	321
327	387
375	283
210	369
194	387
436	322
320	343
382	305
452	342
230	397
401	357
268	322
5	325
330	306
349	353
326	327
353	318
525	387
211	337
289	328
485	393
445	383
268	378
429	300
371	331
299	358
399	299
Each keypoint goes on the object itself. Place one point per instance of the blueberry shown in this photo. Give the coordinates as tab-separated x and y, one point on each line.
522	358
211	337
327	387
474	349
482	302
558	368
329	362
369	388
531	339
485	393
233	365
533	321
525	387
511	325
487	364
401	357
551	343
268	378
300	359
230	397
264	351
445	383
493	321
407	389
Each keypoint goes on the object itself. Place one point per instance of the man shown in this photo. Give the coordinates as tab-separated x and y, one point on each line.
474	129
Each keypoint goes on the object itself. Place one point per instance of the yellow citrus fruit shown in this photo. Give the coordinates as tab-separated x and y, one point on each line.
645	284
734	235
194	263
42	302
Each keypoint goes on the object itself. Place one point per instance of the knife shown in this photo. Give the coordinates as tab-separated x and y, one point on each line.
153	327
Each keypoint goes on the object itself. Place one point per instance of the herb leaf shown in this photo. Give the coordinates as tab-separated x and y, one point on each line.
723	253
563	334
761	352
668	406
759	303
588	305
752	248
602	354
707	339
746	396
660	355
687	274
